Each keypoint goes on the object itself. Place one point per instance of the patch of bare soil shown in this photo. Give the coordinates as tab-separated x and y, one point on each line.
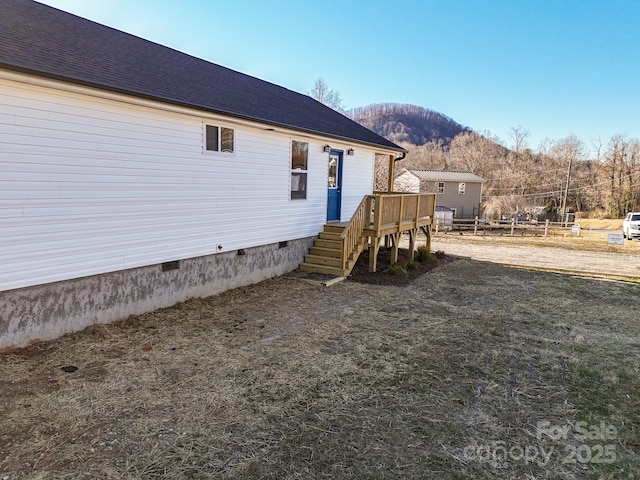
474	370
410	270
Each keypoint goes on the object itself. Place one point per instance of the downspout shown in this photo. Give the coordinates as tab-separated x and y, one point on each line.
392	163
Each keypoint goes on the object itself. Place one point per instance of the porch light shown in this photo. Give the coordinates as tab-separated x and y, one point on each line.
350	151
326	148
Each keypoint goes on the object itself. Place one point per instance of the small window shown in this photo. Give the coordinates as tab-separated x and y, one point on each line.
440	187
461	188
299	159
333	172
219	139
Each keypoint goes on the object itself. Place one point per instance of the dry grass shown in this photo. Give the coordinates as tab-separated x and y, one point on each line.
601	223
285	380
588	241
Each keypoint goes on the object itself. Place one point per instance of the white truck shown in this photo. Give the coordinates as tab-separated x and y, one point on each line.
631	226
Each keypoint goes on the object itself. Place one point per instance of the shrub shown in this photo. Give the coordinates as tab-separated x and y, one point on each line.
424	255
396	269
412	265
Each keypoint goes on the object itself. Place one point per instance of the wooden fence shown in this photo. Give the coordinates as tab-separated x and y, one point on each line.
510	227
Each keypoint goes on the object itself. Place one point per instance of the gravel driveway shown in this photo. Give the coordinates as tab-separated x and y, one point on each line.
557	259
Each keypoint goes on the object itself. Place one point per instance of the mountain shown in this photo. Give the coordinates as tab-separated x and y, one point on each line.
405	123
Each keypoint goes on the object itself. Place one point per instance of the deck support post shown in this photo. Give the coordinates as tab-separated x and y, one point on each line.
427	232
378	217
393	215
413	233
374	246
395	239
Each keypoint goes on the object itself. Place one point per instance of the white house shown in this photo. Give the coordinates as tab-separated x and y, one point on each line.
134	176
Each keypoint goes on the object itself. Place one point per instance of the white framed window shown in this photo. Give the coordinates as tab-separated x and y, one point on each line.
299	166
440	187
218	139
461	188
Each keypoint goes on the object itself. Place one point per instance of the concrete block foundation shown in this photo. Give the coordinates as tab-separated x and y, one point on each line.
46	312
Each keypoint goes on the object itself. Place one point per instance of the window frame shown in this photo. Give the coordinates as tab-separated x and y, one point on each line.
440	187
220	127
300	171
462	188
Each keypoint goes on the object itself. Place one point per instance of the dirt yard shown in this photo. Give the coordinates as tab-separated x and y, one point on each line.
473	370
561	255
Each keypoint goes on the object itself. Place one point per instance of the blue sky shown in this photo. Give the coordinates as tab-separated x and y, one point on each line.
553	67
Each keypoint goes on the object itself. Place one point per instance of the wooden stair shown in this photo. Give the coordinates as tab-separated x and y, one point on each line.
325	256
377	216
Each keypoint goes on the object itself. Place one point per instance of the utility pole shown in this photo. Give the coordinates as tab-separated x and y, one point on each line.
565	217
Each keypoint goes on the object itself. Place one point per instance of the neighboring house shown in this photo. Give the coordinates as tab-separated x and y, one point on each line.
458	191
134	176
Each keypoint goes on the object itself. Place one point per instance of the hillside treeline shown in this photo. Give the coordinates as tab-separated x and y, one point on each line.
604	179
404	123
519	179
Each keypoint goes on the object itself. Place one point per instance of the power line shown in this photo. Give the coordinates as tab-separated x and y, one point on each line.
559	191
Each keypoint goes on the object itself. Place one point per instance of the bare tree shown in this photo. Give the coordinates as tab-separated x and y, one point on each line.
569	151
381	173
621	174
322	93
633	196
520	136
597	146
430	156
473	153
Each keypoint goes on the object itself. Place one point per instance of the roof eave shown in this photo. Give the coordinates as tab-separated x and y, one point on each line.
122	91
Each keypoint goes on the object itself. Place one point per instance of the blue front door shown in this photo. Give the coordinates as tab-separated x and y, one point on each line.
334	186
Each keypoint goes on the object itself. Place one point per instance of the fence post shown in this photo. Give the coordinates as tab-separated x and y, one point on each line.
546	227
513	224
475	226
437	224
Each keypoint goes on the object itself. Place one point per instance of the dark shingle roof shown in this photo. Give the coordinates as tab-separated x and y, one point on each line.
41	40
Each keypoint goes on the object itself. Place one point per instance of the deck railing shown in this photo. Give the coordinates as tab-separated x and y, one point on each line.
384	214
401	212
377	216
352	233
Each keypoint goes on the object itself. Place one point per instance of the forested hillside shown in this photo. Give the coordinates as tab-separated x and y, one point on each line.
603	180
403	123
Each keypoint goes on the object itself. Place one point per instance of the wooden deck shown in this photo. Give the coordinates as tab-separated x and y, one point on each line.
378	216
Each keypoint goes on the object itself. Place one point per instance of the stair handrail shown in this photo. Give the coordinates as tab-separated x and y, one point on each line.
352	233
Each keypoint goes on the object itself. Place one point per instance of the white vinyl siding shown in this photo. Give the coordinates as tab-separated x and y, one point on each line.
90	185
357	180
